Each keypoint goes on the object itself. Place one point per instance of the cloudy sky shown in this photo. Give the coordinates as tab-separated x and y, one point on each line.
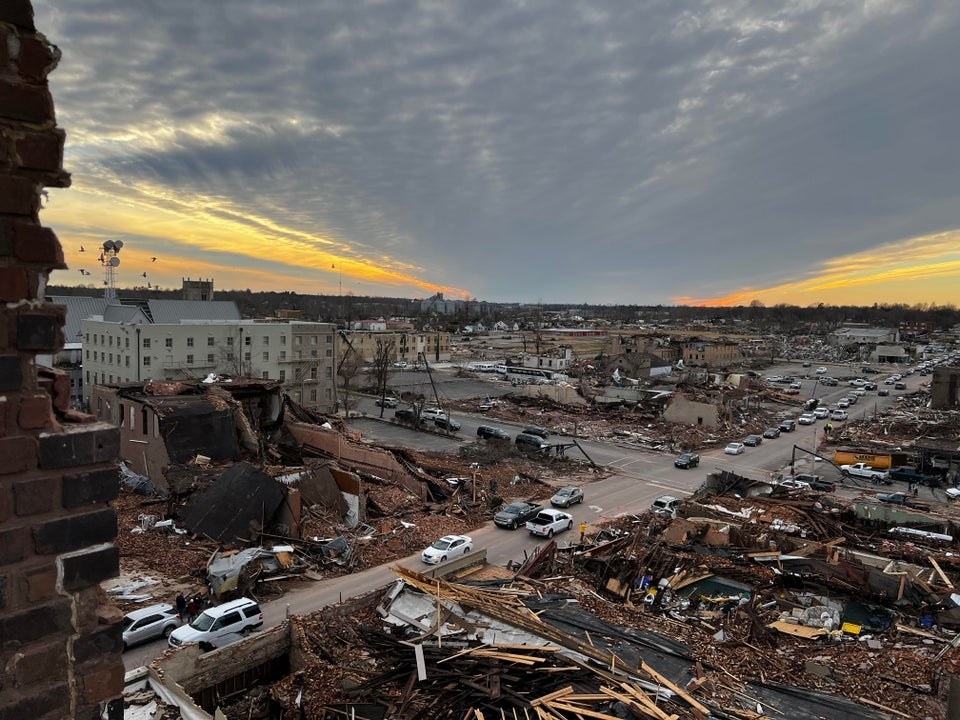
632	151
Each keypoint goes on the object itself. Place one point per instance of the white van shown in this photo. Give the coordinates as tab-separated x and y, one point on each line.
214	624
665	506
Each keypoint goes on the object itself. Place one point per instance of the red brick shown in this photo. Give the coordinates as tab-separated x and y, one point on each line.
61	391
29	103
102	683
35	412
34	663
19	453
14	544
40	246
38	583
14	284
41	151
37	58
18	195
6	501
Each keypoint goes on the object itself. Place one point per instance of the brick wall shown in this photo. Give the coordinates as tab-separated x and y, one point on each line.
59	640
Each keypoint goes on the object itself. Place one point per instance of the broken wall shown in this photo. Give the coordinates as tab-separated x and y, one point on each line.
688	412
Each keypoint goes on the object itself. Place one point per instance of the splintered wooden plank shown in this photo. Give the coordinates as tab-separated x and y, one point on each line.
568	690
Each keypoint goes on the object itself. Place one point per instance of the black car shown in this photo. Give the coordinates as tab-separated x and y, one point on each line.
531	443
488	432
788	426
914	475
815	482
771	433
752	440
536	430
406	415
687	460
516	514
447	423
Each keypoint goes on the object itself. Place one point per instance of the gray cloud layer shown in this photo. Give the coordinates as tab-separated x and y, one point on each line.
535	150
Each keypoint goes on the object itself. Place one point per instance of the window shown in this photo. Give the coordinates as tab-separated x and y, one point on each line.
266	339
146	342
329	372
313	395
86	337
229	357
313	373
189	359
190	342
298	340
102	341
111	378
246	340
230	341
209	358
144	420
146	360
88	377
283	355
111	358
246	357
283	339
329	339
329	352
168	342
87	354
283	375
126	343
210	341
265	375
313	339
299	354
111	341
266	356
313	353
328	393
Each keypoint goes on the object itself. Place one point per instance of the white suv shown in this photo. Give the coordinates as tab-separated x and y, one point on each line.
214	624
433	413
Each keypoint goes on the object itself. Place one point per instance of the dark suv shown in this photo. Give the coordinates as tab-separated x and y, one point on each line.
534	443
488	432
788	426
687	460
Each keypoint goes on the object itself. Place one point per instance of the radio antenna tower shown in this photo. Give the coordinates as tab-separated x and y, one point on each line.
110	260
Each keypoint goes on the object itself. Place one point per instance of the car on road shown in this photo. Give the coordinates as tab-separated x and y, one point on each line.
687	460
407	415
829	381
914	475
489	432
400	364
796	384
821	370
899	386
149	623
752	440
213	625
843	403
447	423
822	412
771	433
788	425
734	448
531	443
839	414
432	413
794	484
567	496
515	514
536	430
815	482
447	548
807	419
883	392
548	523
388	402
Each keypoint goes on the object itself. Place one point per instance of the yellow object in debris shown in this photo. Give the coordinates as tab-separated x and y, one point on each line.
851	628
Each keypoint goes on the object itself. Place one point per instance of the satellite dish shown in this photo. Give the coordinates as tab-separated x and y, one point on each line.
108	245
114	261
117	244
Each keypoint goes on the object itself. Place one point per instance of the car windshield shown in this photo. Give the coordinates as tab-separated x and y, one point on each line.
203	622
126	623
513	508
441	544
563	492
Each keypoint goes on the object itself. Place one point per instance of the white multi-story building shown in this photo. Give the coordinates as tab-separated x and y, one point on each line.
124	346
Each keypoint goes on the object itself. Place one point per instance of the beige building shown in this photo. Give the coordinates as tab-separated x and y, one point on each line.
408	346
128	348
710	353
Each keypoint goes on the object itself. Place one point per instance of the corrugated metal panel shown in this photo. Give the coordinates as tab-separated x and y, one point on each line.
171	312
79	308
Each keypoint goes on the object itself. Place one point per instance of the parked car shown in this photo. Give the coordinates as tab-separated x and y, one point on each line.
794	484
829	381
821	371
567	496
515	514
149	623
862	470
687	460
488	432
807	419
734	448
752	440
536	430
771	433
815	482
432	413
788	425
822	412
796	384
843	403
899	386
400	364
839	415
388	402
213	624
883	392
914	475
447	423
446	548
531	443
407	415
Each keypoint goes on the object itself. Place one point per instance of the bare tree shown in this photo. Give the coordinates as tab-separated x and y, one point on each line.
347	369
380	368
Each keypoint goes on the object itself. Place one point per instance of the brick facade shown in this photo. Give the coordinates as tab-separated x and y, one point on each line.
59	658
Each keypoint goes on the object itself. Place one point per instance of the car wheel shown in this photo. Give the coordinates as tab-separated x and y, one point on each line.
513	525
569	524
466	550
443	559
550	533
167	631
845	473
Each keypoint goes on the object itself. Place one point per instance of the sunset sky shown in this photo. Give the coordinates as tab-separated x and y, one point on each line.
658	152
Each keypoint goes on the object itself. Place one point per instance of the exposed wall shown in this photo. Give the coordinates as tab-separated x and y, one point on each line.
59	651
945	388
688	412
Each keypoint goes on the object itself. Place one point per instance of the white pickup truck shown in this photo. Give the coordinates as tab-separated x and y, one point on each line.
548	522
862	470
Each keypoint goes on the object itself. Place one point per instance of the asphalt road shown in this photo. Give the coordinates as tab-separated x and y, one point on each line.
640	476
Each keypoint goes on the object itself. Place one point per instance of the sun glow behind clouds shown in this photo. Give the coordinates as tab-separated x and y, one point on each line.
206	235
917	270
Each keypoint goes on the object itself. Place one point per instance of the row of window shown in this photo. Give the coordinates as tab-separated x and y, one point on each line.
107	340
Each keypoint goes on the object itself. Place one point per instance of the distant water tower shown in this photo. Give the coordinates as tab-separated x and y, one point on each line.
197	289
110	260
